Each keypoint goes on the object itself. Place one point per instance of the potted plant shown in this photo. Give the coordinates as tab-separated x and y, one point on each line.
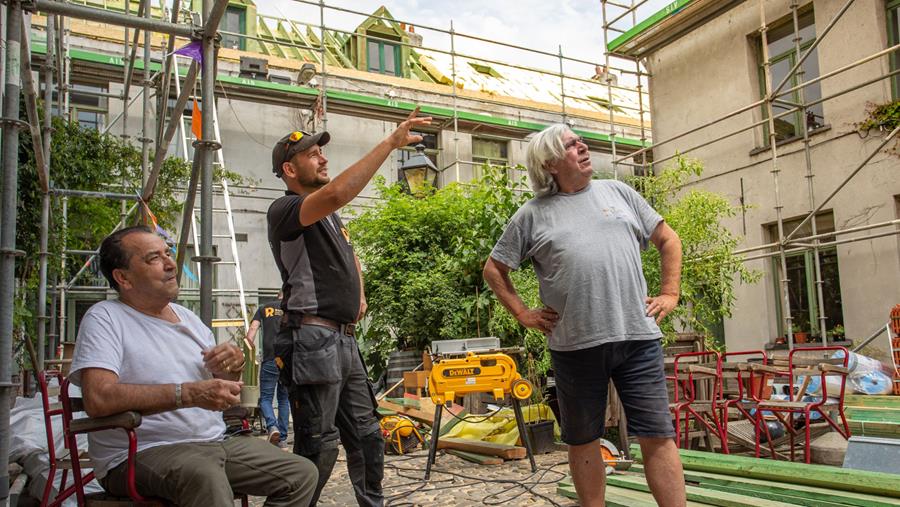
837	333
800	336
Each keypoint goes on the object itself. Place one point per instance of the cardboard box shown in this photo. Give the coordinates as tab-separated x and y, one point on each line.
415	379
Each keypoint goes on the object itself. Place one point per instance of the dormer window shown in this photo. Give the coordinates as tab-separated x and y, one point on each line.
383	57
234	21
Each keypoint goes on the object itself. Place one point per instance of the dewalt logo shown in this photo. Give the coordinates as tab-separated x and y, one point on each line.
461	372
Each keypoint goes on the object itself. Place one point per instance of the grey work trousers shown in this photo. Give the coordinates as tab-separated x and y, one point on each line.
332	399
204	474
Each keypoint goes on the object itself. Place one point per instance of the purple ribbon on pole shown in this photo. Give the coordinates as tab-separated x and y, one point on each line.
193	50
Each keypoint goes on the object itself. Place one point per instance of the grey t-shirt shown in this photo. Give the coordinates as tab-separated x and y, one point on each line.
585	248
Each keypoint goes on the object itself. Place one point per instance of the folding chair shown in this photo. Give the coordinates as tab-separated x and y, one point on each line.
806	363
64	461
698	373
740	391
126	421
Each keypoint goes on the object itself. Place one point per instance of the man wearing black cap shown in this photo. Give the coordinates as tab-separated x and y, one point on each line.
323	299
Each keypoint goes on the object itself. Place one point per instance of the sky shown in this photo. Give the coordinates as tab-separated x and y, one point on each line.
575	25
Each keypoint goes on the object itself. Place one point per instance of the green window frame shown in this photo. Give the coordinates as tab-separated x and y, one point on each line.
388	57
235	21
783	56
893	36
801	276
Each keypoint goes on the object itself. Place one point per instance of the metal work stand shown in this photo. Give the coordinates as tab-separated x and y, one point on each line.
436	430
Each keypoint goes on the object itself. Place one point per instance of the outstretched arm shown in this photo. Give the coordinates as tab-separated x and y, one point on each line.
668	243
347	185
496	274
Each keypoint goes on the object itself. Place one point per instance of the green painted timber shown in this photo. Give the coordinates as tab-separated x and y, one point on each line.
644	25
879	414
862	400
772	490
874	429
860	481
615	497
353	98
697	494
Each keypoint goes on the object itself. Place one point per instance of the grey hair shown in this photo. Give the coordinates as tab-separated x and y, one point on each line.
545	148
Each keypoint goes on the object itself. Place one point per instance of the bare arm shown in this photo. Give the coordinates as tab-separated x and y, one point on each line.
496	274
251	333
668	243
104	395
363	304
347	185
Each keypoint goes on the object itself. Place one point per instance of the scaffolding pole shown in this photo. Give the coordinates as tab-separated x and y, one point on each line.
205	149
8	253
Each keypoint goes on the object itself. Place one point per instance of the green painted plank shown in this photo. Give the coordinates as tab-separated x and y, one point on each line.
862	400
697	494
881	414
874	429
615	497
772	490
665	12
795	473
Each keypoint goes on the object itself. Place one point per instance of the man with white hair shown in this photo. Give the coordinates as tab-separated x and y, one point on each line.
584	238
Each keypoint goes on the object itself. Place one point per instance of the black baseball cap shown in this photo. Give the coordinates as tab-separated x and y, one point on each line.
292	144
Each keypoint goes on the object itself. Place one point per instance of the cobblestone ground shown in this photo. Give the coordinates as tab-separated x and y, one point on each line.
455	482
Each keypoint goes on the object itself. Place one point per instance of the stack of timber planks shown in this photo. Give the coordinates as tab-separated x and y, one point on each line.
873	416
738	481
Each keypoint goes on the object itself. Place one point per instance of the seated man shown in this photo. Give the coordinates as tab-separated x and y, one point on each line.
144	353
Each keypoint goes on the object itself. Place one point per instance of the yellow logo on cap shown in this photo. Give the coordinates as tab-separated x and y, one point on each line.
296	136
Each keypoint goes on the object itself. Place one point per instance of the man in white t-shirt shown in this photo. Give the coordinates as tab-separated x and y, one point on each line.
144	353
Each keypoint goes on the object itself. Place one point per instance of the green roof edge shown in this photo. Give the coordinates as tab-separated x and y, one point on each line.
80	54
639	28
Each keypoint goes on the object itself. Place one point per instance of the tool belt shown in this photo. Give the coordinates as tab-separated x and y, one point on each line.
345	329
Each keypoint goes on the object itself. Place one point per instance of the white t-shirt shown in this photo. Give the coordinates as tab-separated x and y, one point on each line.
141	349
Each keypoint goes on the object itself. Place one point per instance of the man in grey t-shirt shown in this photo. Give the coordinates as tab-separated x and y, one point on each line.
584	239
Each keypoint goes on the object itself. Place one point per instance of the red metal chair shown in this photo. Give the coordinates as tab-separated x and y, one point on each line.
808	364
741	390
64	461
126	421
698	373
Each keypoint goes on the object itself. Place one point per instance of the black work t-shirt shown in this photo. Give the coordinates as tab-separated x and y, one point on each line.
269	317
316	263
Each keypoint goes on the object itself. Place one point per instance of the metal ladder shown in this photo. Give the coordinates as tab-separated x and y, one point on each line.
235	261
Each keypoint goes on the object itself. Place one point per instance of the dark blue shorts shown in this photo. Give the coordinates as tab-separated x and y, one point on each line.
582	384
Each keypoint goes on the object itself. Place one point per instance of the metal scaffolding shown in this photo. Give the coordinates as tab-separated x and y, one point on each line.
18	75
58	65
787	241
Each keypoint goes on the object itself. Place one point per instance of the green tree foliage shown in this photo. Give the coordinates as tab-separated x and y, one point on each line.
423	258
85	159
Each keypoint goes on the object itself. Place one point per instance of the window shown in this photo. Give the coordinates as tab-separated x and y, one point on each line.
489	151
86	105
783	57
893	33
801	276
487	70
383	57
234	21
